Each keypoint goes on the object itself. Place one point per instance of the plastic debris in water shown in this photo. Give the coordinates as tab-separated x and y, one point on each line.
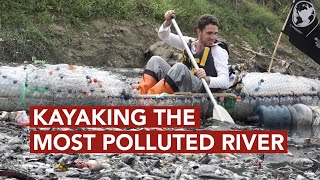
62	167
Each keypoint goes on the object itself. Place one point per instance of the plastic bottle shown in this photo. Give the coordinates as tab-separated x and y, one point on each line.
154	100
295	97
177	101
150	101
315	99
111	101
252	103
162	101
122	101
169	101
291	99
283	99
132	101
275	117
275	99
259	99
145	101
196	101
187	101
267	100
306	98
58	97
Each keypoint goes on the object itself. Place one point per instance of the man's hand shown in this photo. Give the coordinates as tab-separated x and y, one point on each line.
168	17
201	73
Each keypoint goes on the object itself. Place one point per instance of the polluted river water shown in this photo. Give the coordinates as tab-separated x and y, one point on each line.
301	162
16	162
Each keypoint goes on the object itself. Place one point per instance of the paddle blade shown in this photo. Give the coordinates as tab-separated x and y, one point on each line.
221	114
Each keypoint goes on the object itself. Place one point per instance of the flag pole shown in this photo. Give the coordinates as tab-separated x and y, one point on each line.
275	49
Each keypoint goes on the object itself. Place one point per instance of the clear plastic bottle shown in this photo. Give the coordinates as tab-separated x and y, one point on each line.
275	99
149	101
175	101
111	101
295	98
132	101
291	99
196	101
162	101
122	101
58	97
169	101
315	100
286	99
306	99
267	100
252	103
259	100
187	101
283	99
144	101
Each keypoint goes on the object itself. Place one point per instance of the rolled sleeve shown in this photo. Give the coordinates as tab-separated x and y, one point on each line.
221	64
172	39
163	33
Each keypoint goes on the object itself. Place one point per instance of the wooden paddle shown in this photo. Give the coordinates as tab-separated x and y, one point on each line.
219	113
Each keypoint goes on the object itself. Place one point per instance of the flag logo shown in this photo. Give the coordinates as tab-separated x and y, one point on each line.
303	28
303	14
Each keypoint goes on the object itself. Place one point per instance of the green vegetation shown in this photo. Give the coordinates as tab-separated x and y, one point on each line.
246	20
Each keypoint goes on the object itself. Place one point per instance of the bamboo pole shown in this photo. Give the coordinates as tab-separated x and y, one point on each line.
279	38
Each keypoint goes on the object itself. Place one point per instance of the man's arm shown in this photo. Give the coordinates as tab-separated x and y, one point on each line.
172	39
165	34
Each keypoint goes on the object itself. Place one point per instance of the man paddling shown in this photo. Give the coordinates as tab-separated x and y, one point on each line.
211	56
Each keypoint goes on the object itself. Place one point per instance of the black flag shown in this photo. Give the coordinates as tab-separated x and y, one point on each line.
303	29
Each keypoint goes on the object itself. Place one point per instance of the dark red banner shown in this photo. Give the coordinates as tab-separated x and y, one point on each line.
114	116
158	141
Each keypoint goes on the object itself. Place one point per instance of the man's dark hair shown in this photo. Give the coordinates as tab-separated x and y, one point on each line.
206	19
